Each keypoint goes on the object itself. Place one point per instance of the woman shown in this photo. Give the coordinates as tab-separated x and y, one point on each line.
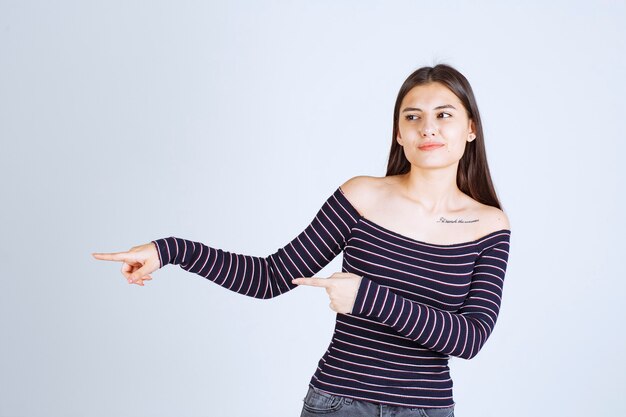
425	254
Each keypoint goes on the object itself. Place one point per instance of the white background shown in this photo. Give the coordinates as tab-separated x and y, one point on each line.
230	123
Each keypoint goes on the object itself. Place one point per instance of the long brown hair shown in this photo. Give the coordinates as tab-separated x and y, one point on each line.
472	177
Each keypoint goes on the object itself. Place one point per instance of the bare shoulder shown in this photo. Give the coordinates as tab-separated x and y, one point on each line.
362	190
494	218
359	185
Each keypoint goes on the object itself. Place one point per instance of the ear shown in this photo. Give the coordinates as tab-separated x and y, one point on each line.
472	131
399	139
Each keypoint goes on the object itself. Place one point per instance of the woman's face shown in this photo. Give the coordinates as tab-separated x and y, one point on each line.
432	114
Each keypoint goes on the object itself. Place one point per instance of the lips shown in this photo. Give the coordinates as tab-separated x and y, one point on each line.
427	146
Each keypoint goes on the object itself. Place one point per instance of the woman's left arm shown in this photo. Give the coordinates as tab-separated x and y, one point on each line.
460	334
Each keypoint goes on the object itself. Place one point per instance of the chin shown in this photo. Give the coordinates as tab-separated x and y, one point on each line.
435	164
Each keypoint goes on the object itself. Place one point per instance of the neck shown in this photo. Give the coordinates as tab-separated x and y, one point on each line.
434	189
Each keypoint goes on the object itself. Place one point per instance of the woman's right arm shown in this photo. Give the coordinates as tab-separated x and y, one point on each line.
266	277
262	277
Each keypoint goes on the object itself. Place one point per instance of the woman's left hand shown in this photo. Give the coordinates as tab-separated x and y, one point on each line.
340	286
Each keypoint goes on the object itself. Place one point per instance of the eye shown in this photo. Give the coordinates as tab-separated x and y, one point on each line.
408	116
442	113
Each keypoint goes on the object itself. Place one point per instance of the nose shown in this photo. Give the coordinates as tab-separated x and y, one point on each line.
428	131
428	127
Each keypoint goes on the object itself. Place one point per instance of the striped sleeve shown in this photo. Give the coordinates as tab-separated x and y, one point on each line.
461	334
266	277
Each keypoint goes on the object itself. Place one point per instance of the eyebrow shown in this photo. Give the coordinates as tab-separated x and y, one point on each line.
445	106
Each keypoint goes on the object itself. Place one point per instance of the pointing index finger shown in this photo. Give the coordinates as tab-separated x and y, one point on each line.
313	281
116	256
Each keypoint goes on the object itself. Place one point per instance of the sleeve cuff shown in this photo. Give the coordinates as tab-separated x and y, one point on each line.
370	298
167	249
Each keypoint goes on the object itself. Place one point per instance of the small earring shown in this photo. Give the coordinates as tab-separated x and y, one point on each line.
472	136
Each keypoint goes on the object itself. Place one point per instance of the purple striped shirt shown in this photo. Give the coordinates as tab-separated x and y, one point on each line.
418	303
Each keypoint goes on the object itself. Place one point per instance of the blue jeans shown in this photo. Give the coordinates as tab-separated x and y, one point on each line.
317	403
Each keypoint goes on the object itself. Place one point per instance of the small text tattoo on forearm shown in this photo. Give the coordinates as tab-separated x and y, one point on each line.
444	220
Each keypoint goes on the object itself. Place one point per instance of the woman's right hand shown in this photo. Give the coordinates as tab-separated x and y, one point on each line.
138	262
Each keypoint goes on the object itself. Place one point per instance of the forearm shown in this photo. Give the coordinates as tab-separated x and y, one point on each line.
460	333
254	276
448	333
